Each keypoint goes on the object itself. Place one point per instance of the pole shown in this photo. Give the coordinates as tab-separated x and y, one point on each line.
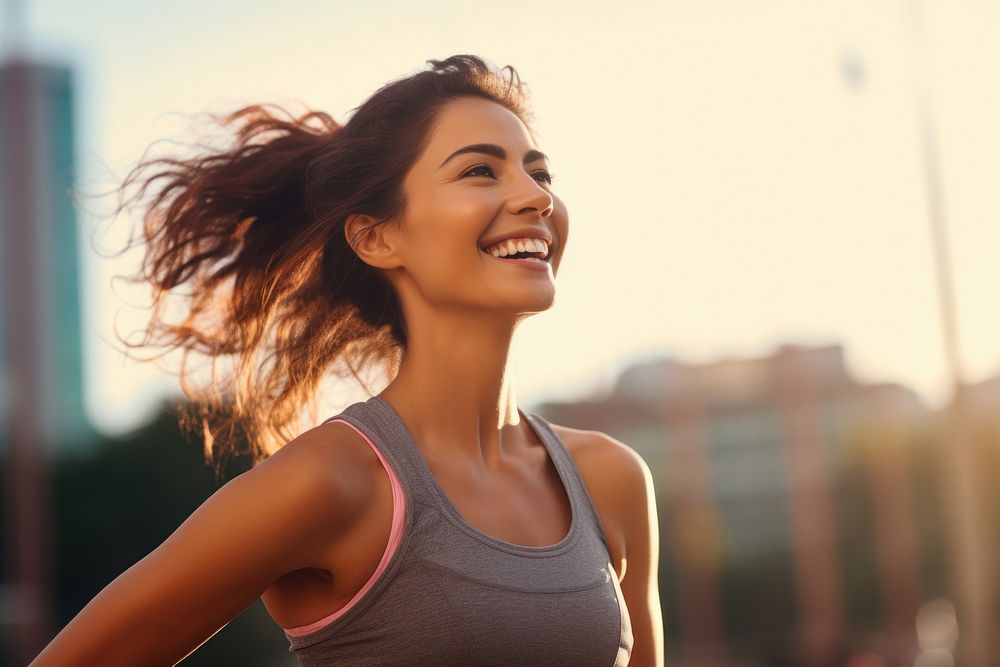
968	558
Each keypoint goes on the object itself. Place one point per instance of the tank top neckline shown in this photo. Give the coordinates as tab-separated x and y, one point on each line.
455	517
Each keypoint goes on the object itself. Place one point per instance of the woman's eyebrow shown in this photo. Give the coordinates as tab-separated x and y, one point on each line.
496	151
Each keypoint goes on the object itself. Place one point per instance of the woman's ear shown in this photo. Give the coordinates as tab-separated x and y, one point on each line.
374	243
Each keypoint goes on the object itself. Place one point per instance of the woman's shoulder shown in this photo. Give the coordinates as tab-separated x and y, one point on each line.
608	463
335	463
594	446
584	445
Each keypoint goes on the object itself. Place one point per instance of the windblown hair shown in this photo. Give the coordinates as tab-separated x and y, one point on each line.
255	233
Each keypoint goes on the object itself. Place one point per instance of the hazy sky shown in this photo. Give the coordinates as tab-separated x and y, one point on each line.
737	174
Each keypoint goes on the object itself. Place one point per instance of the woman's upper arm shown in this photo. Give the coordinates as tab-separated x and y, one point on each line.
273	519
640	526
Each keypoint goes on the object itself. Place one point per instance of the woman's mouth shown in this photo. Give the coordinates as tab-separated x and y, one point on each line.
520	248
526	262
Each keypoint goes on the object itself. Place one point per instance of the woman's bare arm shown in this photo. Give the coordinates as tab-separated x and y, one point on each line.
276	518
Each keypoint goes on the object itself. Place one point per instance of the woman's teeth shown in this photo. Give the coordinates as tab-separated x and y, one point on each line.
537	247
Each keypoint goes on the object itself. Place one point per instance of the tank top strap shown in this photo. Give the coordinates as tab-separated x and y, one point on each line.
388	433
562	459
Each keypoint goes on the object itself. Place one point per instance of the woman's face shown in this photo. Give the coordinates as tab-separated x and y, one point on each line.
459	202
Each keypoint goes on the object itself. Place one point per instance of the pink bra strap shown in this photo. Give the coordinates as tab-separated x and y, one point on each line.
395	535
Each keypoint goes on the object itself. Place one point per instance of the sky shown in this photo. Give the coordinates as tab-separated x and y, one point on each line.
738	175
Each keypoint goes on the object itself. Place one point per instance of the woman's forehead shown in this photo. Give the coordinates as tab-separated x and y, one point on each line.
468	121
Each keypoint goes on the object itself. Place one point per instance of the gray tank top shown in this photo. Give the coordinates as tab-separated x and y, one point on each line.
448	594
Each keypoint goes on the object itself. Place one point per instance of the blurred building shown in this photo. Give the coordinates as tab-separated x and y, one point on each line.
41	361
744	429
41	352
983	397
755	462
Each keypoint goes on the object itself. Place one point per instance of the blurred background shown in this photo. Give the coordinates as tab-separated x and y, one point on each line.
781	289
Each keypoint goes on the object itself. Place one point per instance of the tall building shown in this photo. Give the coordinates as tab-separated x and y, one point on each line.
41	354
41	369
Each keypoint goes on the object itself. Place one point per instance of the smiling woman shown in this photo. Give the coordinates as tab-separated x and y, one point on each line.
435	523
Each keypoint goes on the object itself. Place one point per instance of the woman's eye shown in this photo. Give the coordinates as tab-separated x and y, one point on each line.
478	167
546	176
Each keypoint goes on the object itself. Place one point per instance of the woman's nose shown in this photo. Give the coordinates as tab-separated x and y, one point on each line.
530	194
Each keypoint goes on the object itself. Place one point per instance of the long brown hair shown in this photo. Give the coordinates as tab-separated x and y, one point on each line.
255	233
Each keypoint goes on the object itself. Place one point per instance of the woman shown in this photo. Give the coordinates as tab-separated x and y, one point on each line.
435	523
